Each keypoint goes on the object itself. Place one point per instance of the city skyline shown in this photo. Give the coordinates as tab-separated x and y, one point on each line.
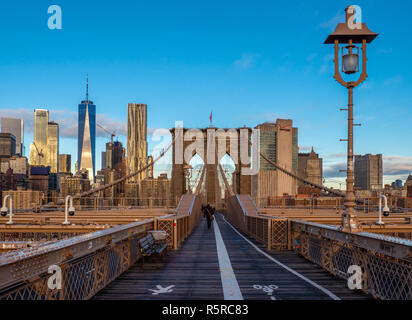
253	74
233	151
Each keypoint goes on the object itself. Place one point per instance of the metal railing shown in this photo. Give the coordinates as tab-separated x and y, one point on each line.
270	231
180	226
385	262
87	263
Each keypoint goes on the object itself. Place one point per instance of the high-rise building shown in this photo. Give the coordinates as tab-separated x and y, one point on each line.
310	168
368	172
155	192
18	164
15	127
136	139
114	153
295	149
38	148
76	184
7	145
103	160
150	169
52	151
86	145
279	142
65	163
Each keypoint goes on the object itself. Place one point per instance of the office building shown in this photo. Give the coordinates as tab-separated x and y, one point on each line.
150	169
279	142
73	185
39	178
310	168
86	145
38	148
103	160
368	172
16	128
65	163
398	183
155	192
18	164
136	139
114	154
52	150
25	199
7	145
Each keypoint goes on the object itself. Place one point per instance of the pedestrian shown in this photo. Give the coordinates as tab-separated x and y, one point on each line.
208	213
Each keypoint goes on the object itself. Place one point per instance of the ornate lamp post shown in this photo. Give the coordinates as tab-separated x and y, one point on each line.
348	34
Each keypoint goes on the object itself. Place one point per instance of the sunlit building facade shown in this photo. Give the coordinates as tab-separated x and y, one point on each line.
16	128
38	148
136	140
52	153
86	146
279	143
65	163
368	172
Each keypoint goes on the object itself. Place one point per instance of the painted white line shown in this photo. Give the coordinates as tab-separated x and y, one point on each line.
231	290
324	290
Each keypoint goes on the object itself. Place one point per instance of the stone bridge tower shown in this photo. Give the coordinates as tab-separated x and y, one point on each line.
211	144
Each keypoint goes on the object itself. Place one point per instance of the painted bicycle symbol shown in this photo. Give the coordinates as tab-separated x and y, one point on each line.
268	289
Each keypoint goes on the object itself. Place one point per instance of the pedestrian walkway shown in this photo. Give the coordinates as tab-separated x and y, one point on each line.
221	263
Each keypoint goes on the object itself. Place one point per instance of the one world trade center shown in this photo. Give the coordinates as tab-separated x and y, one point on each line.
86	143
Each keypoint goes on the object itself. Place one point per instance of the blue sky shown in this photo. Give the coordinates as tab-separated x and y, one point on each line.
248	61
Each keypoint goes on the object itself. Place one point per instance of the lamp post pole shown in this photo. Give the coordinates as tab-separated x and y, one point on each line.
350	194
348	33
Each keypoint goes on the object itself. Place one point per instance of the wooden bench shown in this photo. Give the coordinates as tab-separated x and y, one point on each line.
150	246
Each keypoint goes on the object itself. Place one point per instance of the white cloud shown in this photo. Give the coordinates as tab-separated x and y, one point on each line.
394	80
304	148
327	65
395	165
311	57
333	22
246	61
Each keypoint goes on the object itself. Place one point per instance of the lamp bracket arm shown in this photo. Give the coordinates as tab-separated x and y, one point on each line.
364	73
337	75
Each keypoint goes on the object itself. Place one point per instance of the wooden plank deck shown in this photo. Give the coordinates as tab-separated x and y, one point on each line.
194	273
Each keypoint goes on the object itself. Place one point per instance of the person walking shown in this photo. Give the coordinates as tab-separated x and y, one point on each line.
208	213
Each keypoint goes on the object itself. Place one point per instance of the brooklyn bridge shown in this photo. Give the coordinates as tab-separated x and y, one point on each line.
307	251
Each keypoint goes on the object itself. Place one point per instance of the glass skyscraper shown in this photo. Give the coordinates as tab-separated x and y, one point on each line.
52	155
86	146
15	127
38	148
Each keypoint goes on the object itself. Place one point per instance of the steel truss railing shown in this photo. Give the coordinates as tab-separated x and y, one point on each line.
87	263
270	231
385	262
91	261
180	226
